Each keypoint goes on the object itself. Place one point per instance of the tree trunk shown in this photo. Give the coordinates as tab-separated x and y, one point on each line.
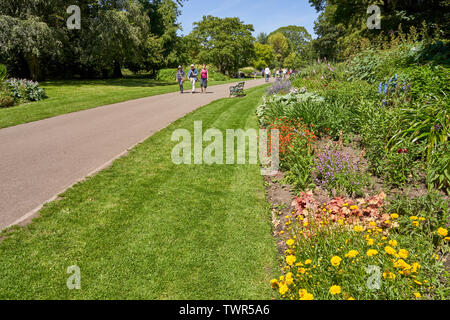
34	67
117	70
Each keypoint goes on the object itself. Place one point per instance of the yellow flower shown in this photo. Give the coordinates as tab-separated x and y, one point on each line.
305	295
371	253
358	228
418	282
401	264
422	219
393	243
301	270
447	238
290	242
403	253
289	279
415	267
336	261
335	290
389	275
415	223
394	216
351	254
442	232
274	283
370	242
309	261
351	298
390	250
345	205
283	289
414	218
417	295
372	224
291	260
305	224
341	222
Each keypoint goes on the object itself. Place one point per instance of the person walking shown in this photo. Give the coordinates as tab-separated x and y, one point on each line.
204	77
193	76
267	74
180	77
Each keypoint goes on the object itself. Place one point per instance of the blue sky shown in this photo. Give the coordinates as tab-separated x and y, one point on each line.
265	15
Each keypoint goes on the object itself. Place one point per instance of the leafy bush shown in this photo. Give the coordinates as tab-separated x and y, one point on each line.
3	73
438	169
5	98
399	166
25	90
428	80
431	206
247	71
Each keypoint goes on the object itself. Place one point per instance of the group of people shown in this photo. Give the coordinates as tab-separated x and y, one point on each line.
192	76
278	74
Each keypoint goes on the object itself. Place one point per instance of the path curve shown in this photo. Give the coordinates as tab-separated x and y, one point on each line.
41	159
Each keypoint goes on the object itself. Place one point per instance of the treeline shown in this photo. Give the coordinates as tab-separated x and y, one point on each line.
342	25
36	43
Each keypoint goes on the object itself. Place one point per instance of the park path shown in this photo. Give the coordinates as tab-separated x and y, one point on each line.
41	159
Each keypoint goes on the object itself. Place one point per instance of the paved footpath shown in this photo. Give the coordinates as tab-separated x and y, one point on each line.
41	159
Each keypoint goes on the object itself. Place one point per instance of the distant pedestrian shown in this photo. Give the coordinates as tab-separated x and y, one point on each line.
267	74
193	76
180	77
204	77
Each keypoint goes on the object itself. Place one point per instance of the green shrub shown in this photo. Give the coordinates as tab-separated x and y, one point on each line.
438	169
247	71
168	75
3	73
428	80
432	206
23	90
5	98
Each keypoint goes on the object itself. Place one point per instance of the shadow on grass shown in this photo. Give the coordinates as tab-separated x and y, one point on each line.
129	81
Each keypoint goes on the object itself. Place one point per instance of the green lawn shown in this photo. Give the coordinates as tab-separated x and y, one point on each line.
148	229
65	96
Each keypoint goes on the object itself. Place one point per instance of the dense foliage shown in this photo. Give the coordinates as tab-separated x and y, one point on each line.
36	43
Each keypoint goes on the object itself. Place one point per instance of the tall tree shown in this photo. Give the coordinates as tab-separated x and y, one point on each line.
281	47
264	56
298	37
227	43
262	38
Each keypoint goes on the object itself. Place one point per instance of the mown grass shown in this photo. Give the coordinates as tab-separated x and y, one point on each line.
146	228
66	96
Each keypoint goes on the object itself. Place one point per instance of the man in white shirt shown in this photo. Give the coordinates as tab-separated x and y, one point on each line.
267	73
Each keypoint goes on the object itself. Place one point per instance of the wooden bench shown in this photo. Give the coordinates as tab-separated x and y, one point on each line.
237	90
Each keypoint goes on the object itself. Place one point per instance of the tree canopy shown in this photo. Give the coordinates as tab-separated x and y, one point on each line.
227	43
36	43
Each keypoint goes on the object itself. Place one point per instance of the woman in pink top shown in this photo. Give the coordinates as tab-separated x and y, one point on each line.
204	79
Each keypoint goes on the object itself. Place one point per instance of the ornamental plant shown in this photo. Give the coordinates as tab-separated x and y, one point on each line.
290	130
338	172
362	257
25	90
